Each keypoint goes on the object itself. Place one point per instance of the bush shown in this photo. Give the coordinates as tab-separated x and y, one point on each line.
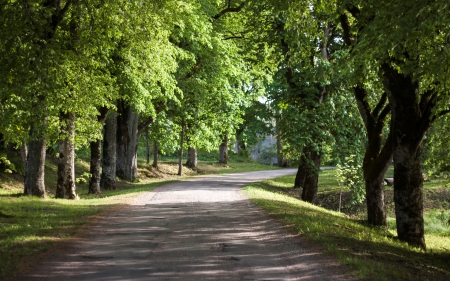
350	175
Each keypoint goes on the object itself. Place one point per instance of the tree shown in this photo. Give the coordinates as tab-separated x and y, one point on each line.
412	77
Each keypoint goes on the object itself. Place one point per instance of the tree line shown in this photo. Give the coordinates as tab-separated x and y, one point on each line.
336	77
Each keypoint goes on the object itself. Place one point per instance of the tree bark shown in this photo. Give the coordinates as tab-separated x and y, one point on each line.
300	177
310	187
108	177
61	173
192	158
375	165
281	161
24	155
147	147
94	182
377	157
411	119
180	158
66	160
223	151
155	154
34	173
95	146
127	142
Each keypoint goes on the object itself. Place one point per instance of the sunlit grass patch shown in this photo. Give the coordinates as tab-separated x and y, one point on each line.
29	225
373	253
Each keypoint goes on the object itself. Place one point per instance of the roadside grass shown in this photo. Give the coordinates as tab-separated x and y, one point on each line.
371	253
30	226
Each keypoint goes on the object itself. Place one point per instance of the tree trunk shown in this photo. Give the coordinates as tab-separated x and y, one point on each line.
192	158
66	161
223	151
34	173
61	173
300	177
180	158
310	187
375	165
410	120
108	177
147	146
94	182
155	154
281	162
377	157
24	155
127	142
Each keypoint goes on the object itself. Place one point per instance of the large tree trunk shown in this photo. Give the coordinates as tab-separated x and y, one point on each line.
375	165
127	142
95	146
411	119
310	187
34	172
377	157
300	177
66	161
108	177
223	151
192	158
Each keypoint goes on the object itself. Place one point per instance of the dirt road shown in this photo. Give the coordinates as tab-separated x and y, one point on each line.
198	229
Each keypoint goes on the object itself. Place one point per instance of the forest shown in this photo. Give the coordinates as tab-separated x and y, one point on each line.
331	80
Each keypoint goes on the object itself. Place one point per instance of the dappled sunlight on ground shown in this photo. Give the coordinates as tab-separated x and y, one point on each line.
200	229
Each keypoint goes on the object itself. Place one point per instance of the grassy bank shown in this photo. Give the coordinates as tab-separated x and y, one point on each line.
31	226
372	253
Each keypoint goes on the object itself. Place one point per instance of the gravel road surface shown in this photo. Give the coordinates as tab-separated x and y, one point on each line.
197	229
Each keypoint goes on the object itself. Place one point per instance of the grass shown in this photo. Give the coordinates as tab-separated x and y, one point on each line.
30	226
371	253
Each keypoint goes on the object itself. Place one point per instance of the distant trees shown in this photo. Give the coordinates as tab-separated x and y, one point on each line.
127	65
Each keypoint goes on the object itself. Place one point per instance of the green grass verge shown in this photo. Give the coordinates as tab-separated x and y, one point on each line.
29	226
372	253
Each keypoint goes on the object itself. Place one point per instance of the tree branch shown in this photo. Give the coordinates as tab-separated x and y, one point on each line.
233	37
230	9
363	105
57	18
102	116
194	70
380	105
440	114
384	113
425	99
348	38
354	11
142	125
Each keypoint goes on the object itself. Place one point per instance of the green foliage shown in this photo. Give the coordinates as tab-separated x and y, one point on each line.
6	165
84	178
350	175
